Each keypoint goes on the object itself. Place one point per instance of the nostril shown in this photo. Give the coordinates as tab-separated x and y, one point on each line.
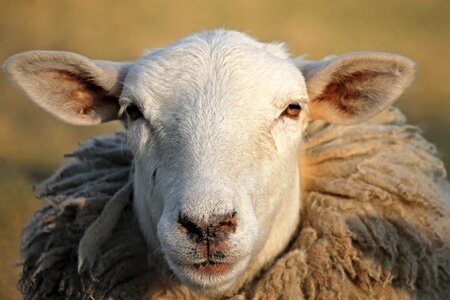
191	229
228	223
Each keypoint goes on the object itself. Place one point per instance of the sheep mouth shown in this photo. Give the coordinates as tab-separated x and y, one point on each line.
212	267
209	276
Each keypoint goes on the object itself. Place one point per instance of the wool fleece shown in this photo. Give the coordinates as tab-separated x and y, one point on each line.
375	224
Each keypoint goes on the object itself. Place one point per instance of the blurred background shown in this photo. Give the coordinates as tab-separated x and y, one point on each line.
32	143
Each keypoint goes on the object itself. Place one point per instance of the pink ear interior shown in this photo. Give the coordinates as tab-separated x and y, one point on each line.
346	91
81	97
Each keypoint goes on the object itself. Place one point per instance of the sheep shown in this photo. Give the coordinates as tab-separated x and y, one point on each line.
242	173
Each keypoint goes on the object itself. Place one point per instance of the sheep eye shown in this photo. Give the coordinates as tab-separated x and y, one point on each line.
293	110
133	112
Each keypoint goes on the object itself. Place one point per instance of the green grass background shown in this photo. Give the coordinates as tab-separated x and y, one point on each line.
32	143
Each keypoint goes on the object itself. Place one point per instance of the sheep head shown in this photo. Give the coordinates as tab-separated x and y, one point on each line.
215	123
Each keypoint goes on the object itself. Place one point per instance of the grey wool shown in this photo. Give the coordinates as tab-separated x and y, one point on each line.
375	224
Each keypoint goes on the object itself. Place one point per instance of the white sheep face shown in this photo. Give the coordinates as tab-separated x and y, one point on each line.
215	123
214	141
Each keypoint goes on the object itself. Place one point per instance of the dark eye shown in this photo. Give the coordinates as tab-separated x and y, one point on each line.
132	112
293	110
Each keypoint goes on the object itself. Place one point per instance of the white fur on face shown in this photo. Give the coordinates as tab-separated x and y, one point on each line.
213	141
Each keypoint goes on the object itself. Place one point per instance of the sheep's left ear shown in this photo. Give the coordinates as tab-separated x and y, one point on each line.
355	87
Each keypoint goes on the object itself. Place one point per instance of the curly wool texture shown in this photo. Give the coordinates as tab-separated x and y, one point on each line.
375	224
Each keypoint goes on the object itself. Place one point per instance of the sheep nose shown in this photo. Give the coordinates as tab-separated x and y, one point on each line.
216	230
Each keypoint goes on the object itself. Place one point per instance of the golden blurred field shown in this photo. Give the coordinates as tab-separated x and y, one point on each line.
32	143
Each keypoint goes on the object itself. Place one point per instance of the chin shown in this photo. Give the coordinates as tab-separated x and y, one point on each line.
209	278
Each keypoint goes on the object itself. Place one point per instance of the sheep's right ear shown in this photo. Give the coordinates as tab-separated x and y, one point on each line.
354	87
74	88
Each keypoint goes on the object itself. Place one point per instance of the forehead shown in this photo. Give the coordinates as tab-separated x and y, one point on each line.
215	66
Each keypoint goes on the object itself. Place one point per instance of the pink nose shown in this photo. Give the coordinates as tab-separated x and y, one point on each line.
210	237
